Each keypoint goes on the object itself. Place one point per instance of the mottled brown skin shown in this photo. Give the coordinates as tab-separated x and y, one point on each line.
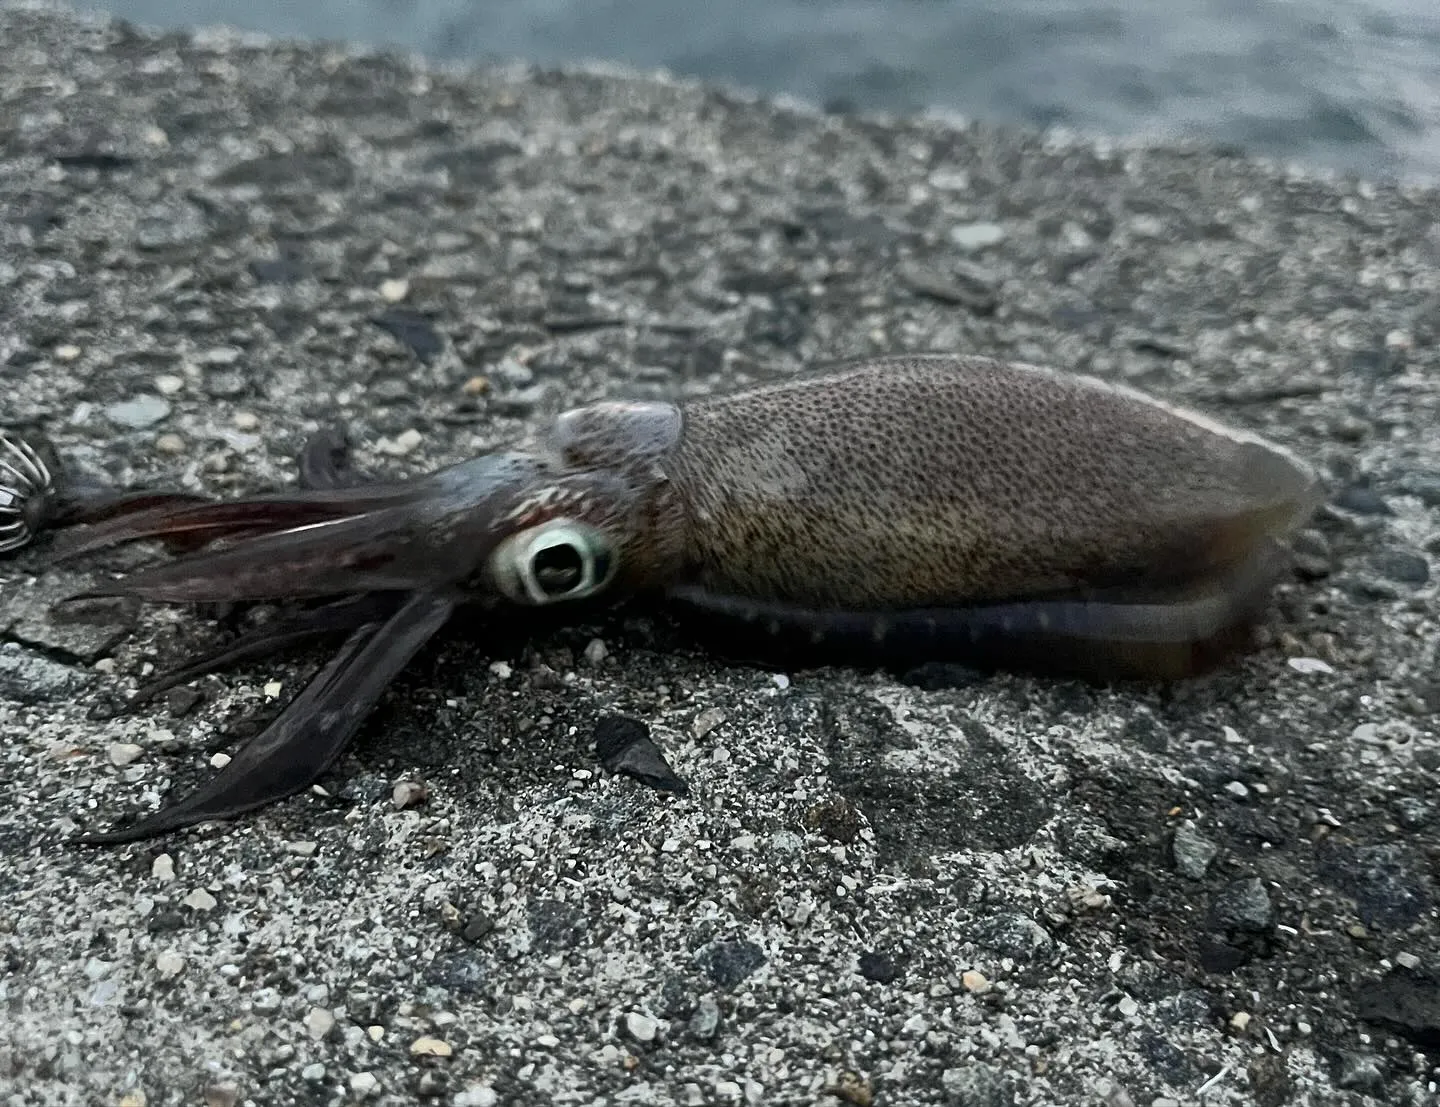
922	505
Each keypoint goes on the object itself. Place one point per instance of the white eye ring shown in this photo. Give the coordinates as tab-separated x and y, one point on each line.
554	562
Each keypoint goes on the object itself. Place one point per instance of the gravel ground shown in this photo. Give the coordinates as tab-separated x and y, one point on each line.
929	888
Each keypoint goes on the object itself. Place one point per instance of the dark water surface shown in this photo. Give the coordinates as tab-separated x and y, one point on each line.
1349	84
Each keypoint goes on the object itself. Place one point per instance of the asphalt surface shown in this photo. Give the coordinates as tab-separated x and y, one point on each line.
931	888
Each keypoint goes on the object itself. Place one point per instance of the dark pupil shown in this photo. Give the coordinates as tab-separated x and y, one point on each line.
559	569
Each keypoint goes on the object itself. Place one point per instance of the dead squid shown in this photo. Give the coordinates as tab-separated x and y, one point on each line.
929	506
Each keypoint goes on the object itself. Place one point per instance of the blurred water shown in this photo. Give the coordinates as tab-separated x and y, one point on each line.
1351	84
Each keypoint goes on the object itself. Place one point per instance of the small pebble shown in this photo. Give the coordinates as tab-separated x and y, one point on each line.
977	236
974	982
408	793
169	964
319	1022
266	1001
707	721
1193	852
1240	1021
219	760
272	688
200	900
364	1084
1407	961
402	444
222	1095
67	352
430	1047
640	1027
169	384
395	290
245	420
475	386
1128	1007
313	1074
302	849
139	413
595	651
170	443
125	753
163	868
1309	665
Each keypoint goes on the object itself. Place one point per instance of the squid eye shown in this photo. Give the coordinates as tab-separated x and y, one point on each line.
560	560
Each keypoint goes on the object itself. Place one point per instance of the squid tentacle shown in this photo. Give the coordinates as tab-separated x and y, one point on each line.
278	634
306	737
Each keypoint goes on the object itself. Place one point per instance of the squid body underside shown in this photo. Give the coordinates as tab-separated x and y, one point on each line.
930	507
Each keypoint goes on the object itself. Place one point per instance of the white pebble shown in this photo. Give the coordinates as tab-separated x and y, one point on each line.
408	793
319	1022
124	753
200	900
1310	665
364	1084
641	1027
163	868
393	291
169	964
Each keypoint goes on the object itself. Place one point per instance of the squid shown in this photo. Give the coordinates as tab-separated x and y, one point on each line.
937	506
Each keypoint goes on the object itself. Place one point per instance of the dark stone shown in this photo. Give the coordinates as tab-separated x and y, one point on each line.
165	920
624	746
1412	812
1362	500
1167	1059
412	330
281	270
1012	934
477	927
1359	1071
878	967
937	285
1387	882
676	1000
100	162
1404	1003
727	963
1424	486
976	1085
459	974
836	818
1403	566
1242	906
181	701
556	926
1270	1081
1221	957
281	172
470	166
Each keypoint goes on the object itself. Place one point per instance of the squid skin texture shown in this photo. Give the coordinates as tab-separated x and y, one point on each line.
930	504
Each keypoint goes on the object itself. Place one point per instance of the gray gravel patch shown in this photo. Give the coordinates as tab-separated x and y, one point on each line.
936	889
